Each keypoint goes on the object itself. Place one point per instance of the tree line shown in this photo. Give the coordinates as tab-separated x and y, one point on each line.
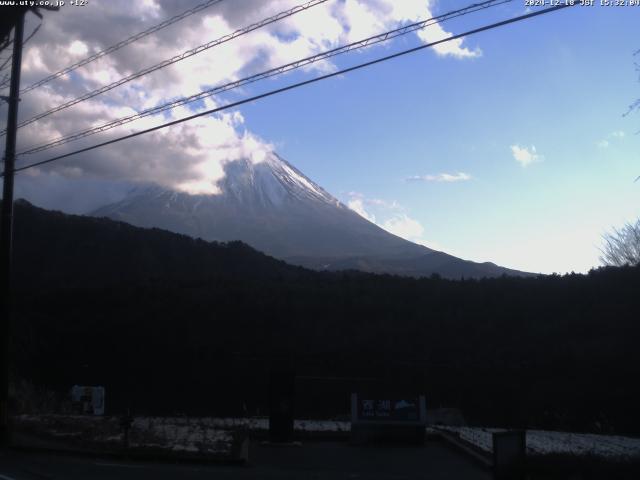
171	325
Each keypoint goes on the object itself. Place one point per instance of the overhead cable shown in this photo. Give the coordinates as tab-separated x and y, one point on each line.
367	42
171	61
119	45
297	85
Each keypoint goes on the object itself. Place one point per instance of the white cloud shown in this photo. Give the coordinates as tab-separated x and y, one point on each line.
525	156
78	48
357	205
414	10
617	135
377	203
389	215
393	217
189	156
404	226
454	48
441	177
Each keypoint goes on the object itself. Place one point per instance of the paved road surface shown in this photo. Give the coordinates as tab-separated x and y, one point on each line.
313	460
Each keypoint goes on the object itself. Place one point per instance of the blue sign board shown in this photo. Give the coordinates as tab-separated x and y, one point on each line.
397	409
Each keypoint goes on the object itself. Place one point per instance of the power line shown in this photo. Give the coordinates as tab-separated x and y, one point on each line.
263	75
6	62
367	42
175	59
297	85
6	42
31	35
119	45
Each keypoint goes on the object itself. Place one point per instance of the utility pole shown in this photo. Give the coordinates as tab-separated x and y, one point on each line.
6	227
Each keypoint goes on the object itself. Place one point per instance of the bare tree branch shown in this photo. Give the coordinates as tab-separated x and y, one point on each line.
622	246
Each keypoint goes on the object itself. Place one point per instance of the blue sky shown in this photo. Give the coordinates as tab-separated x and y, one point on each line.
527	118
559	83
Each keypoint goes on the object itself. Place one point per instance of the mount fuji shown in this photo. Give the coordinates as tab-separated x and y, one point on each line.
276	209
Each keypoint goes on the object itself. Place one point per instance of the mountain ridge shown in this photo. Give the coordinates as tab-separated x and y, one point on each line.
275	208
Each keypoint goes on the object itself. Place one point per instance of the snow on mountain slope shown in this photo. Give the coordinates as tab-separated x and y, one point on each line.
275	208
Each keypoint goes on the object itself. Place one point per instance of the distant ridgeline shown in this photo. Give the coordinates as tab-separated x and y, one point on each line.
275	208
169	324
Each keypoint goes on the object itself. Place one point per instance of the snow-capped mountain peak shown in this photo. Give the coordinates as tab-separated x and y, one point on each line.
272	181
275	208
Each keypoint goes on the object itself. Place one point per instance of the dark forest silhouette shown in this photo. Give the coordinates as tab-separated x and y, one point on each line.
171	325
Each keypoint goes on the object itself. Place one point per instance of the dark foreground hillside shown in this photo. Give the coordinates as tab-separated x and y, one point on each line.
174	325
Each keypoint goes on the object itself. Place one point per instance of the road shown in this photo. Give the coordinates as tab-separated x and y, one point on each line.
315	460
